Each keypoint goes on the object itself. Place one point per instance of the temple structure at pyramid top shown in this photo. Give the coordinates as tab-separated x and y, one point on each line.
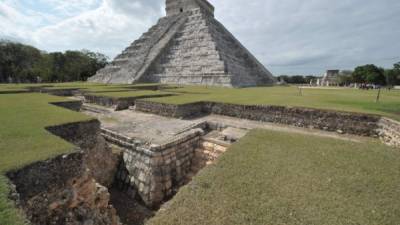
187	46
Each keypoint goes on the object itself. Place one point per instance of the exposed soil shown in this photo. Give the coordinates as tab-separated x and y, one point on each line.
130	211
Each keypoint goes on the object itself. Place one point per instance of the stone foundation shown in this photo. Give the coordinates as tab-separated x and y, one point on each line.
117	103
341	122
155	172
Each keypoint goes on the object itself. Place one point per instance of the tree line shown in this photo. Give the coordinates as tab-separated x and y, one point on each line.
366	74
21	63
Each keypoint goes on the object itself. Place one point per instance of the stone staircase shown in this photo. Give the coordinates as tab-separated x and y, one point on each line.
134	61
193	56
95	109
211	147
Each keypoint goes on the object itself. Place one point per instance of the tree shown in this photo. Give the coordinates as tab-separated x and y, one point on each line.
397	66
25	63
345	77
297	79
369	74
393	75
310	78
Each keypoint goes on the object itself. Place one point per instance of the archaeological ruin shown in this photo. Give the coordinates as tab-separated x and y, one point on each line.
133	155
188	46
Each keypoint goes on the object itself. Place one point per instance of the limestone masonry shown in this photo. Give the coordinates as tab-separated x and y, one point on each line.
188	46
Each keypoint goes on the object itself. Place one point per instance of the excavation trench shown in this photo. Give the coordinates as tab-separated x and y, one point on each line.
129	163
121	172
159	155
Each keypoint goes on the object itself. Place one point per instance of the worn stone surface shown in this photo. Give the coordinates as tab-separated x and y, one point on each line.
188	46
389	132
148	128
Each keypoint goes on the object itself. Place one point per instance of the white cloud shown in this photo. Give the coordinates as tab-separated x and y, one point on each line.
296	36
109	28
14	24
288	36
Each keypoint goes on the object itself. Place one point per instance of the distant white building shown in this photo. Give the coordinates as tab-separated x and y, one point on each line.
331	78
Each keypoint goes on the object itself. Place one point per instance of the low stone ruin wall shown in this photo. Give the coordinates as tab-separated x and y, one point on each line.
171	110
341	122
58	92
389	132
155	172
70	188
62	191
117	103
71	105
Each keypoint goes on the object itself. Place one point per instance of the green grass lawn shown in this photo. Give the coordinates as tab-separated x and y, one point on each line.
276	178
351	100
23	138
267	178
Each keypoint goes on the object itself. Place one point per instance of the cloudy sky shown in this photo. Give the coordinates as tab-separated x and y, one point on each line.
288	36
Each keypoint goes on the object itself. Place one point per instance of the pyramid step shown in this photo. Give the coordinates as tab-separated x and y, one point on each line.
110	69
120	62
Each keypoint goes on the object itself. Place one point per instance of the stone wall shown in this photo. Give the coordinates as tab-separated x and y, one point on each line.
71	105
70	189
62	191
171	110
341	122
58	92
389	132
117	103
155	172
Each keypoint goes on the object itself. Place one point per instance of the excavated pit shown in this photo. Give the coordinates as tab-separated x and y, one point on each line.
160	155
129	163
126	165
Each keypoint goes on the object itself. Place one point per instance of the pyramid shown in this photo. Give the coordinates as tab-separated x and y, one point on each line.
188	46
